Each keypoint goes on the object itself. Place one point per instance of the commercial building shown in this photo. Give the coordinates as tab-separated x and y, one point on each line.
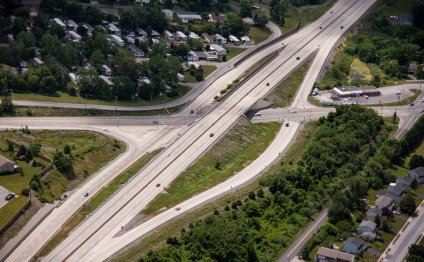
355	91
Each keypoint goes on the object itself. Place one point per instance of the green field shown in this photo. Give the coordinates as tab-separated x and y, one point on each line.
62	97
258	34
311	13
234	51
207	70
291	19
241	145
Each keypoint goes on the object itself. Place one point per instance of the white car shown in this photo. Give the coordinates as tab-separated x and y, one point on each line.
177	208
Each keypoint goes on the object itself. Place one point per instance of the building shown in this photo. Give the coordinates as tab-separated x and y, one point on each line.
73	78
367	226
418	174
195	65
75	36
58	22
194	36
220	39
355	91
405	181
208	38
207	55
395	191
117	40
331	255
192	56
38	62
106	70
130	39
181	37
72	25
137	51
155	34
219	49
107	80
384	201
190	18
234	40
168	13
180	77
355	245
217	18
412	68
143	81
168	35
6	166
141	32
373	212
370	236
246	40
113	29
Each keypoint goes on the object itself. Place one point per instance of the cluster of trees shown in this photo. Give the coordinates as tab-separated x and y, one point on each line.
255	229
7	107
416	253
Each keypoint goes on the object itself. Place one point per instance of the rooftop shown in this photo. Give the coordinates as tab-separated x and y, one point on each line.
335	254
4	160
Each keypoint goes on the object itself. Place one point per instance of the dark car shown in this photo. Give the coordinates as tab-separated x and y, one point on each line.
412	104
211	134
287	124
10	196
86	194
157	185
341	27
267	84
297	58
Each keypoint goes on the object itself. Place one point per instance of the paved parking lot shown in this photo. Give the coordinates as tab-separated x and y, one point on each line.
3	193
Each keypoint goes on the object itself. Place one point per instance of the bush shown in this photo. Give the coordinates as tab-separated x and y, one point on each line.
62	162
25	192
67	149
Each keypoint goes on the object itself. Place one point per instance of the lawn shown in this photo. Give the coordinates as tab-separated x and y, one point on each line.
89	151
291	18
97	200
16	182
207	70
234	51
311	13
285	92
240	146
62	97
359	67
258	34
372	196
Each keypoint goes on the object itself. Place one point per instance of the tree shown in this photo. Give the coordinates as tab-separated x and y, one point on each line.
278	9
124	88
67	149
305	252
338	212
407	204
415	251
246	8
7	106
62	162
419	73
97	59
260	17
416	161
394	117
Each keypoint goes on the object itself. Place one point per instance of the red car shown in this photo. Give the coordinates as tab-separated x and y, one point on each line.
157	185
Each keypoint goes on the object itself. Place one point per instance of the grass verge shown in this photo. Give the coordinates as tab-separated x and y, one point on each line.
62	97
310	13
207	70
241	145
258	34
158	238
96	201
234	51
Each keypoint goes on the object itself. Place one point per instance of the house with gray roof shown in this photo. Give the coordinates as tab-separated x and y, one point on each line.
404	180
355	245
370	236
367	226
6	166
395	191
373	212
418	174
331	255
384	201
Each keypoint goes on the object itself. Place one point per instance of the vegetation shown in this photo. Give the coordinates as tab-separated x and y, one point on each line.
258	34
196	75
336	160
234	51
243	144
407	204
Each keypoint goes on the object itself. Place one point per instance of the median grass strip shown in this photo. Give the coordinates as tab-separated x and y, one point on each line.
241	145
285	92
96	201
158	238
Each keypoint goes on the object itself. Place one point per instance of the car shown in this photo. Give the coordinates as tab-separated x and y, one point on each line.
320	27
331	11
177	208
293	111
86	194
157	185
341	27
106	129
396	213
412	104
422	100
211	134
298	58
399	93
267	84
287	124
366	97
9	196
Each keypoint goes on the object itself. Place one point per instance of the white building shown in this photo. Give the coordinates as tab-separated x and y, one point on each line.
181	37
141	32
107	80
246	40
72	25
192	56
38	62
195	65
106	70
118	40
220	39
155	34
168	35
75	36
219	49
234	40
168	13
73	78
180	77
113	29
59	22
190	18
193	35
130	39
137	51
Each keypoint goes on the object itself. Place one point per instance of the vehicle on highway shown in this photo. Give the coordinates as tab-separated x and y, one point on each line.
157	185
9	196
211	134
267	84
106	129
341	27
396	213
422	100
86	194
366	97
287	124
399	93
177	208
320	27
293	111
297	58
412	104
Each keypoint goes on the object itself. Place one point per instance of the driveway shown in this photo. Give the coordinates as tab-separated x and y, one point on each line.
373	252
3	193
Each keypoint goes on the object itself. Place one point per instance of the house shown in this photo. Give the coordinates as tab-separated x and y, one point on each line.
137	51
130	39
192	56
168	89
195	65
180	77
207	55
193	35
38	62
113	29
190	18
181	37
58	22
208	38
143	81
73	78
6	166
168	13
107	80
395	191
168	35
418	174
217	18
246	40
117	39
219	49
370	236
404	180
155	34
355	245
141	32
384	201
262	7
367	226
220	39
331	255
22	64
89	29
234	40
75	36
72	25
106	70
412	68
10	38
373	212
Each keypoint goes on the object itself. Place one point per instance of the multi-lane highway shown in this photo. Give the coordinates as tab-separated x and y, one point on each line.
87	241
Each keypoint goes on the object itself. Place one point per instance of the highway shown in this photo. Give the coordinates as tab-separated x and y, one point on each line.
103	224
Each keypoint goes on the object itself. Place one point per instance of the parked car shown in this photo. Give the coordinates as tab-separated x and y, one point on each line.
9	196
